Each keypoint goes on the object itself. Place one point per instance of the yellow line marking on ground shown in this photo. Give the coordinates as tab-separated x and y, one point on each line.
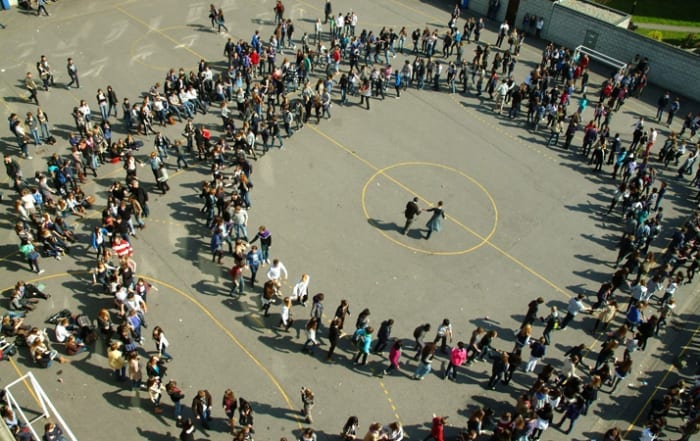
391	402
383	173
211	317
26	383
233	338
670	369
486	240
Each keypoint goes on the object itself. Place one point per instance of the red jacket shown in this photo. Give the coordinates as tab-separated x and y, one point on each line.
437	431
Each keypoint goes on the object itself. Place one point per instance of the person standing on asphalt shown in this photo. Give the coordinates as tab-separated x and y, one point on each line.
437	431
72	74
498	369
411	212
531	314
419	336
435	222
333	337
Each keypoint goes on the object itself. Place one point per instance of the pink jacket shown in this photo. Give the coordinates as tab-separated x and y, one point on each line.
458	356
395	356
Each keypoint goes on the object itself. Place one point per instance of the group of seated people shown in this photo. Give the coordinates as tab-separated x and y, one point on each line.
23	299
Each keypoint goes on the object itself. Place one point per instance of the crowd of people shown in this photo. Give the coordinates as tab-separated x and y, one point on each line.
263	96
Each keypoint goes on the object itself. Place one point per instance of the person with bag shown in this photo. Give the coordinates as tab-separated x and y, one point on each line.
363	338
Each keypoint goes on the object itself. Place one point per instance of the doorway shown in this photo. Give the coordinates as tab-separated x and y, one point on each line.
512	12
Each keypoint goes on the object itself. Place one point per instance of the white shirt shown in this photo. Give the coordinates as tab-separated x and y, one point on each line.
62	333
301	288
134	303
275	271
340	21
285	314
575	306
640	292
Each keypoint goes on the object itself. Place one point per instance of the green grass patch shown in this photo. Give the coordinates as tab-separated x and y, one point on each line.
673	12
682	39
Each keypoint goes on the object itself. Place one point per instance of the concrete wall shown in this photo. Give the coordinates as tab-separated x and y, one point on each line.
671	68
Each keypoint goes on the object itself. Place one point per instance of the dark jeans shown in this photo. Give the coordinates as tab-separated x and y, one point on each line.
453	369
359	355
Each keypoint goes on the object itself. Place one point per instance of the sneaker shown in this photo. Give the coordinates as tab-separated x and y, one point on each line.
28	157
41	271
57	257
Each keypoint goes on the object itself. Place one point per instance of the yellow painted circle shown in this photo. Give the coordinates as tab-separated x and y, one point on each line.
483	239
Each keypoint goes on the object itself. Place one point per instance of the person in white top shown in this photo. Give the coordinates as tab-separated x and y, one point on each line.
276	271
339	24
62	330
285	318
300	293
393	432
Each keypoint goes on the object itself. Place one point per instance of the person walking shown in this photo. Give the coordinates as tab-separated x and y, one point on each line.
435	222
411	211
426	360
72	74
201	407
444	332
333	337
458	356
573	411
394	358
383	336
176	395
573	308
551	324
32	87
363	337
41	6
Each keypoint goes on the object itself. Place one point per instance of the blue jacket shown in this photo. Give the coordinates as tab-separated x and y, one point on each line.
364	340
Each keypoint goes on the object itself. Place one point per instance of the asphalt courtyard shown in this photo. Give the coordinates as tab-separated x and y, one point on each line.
522	222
